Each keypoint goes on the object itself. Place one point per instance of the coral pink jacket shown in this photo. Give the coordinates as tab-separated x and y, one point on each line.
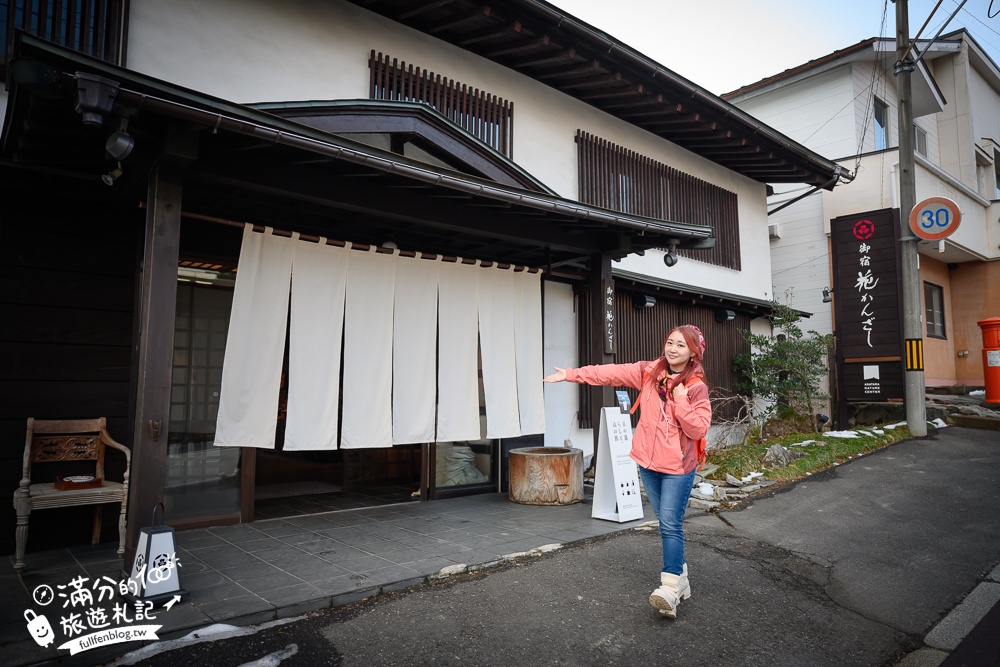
664	440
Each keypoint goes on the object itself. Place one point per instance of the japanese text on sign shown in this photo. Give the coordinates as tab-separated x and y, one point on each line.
609	317
863	230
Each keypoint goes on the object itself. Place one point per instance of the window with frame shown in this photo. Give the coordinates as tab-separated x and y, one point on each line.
619	179
996	176
487	117
920	140
881	114
934	310
97	28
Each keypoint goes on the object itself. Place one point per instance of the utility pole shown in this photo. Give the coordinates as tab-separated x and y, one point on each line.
915	396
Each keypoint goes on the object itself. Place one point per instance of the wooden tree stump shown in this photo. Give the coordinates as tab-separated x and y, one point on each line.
546	475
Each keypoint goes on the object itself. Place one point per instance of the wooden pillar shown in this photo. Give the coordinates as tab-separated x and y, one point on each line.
156	347
604	334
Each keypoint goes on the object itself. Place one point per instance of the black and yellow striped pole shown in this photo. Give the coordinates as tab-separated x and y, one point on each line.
914	354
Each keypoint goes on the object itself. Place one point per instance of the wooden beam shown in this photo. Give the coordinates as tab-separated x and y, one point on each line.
565	55
474	15
156	348
595	82
627	91
533	45
420	9
655	101
601	279
688	119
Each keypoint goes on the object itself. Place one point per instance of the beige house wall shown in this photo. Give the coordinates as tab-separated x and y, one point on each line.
975	290
939	354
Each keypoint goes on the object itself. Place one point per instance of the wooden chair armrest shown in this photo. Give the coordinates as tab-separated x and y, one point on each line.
111	442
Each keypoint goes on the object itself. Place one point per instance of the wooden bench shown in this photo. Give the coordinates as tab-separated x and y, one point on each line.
67	441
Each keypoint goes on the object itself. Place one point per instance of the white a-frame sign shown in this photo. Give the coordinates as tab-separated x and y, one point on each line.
616	480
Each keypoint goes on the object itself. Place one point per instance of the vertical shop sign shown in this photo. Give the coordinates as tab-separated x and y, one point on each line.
867	307
608	287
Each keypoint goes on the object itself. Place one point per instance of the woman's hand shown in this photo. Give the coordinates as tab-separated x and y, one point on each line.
558	376
680	390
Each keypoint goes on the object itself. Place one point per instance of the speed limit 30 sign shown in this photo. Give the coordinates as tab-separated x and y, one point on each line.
935	218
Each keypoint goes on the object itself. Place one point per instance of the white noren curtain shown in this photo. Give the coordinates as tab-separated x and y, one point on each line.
255	345
367	415
528	341
458	337
414	351
413	334
319	276
496	335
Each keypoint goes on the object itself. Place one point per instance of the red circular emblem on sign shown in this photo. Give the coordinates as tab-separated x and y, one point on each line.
863	229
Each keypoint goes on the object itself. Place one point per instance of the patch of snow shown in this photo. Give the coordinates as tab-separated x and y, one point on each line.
978	392
706	489
209	633
802	444
890	427
840	434
273	659
878	431
939	423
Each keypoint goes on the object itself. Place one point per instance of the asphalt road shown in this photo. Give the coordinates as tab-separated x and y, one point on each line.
852	566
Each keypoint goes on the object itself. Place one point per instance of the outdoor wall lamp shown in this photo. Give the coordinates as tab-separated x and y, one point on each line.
640	301
670	259
95	97
826	295
112	176
724	315
120	144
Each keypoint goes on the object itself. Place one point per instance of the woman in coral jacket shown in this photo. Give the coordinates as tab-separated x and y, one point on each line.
675	415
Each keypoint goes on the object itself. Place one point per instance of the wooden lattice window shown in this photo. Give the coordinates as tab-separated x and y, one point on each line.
96	28
485	116
619	179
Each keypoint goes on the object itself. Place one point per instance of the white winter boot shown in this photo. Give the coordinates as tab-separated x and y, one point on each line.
684	586
673	588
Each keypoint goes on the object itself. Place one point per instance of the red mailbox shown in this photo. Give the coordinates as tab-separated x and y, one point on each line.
991	357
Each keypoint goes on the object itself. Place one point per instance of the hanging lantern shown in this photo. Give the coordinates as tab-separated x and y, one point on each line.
156	574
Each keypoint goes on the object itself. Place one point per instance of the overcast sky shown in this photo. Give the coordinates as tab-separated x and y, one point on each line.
724	44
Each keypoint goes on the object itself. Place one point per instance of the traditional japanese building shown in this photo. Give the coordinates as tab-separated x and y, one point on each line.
321	246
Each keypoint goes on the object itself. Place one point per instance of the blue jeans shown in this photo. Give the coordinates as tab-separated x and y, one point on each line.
668	494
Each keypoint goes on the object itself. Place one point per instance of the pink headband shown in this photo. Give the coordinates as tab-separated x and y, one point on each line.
701	339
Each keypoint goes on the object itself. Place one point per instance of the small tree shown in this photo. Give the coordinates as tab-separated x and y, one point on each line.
784	370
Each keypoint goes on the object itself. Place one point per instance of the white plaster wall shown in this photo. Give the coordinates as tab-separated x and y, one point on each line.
207	47
873	188
800	262
972	233
562	399
817	112
868	77
985	105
